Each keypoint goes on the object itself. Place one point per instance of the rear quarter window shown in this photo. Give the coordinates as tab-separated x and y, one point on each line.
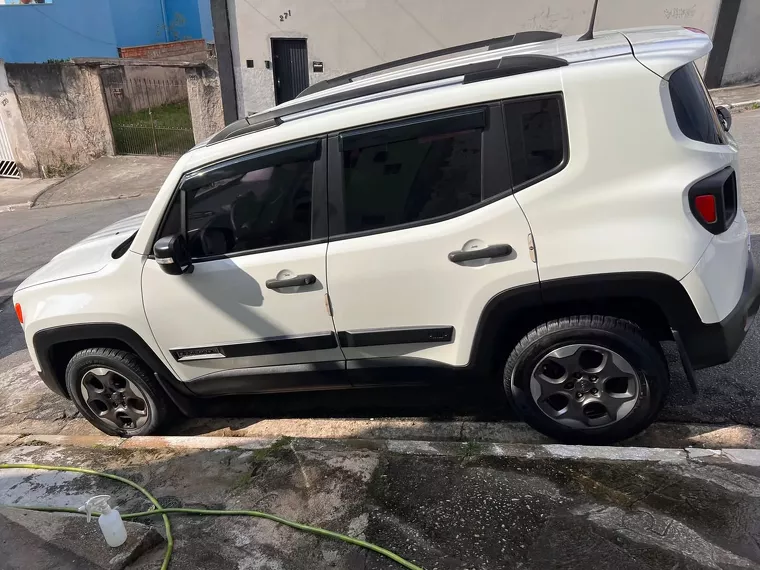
694	110
536	136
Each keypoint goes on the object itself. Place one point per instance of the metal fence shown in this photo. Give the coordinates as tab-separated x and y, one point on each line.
149	116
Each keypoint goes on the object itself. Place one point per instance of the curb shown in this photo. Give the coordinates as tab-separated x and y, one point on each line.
94	200
32	201
463	450
37	196
14	207
744	105
659	435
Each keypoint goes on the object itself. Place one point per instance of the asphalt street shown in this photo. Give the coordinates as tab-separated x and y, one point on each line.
28	239
728	393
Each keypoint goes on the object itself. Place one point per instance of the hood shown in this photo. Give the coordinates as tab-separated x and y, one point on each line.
88	256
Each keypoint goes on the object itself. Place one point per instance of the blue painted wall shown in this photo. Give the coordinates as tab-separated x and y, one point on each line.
184	22
95	28
137	22
64	29
207	28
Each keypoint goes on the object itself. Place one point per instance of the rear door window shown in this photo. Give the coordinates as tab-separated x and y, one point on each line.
694	110
411	172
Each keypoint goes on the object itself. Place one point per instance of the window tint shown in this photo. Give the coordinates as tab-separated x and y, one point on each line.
173	220
411	180
694	110
252	210
536	137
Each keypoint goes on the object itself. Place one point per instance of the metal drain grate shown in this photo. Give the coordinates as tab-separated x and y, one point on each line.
8	169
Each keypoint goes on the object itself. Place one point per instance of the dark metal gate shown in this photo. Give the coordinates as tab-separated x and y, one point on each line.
291	68
148	116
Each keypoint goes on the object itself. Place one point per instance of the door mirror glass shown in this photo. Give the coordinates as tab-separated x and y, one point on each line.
725	117
172	255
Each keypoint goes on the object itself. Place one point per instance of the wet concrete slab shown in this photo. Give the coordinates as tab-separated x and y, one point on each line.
439	504
60	540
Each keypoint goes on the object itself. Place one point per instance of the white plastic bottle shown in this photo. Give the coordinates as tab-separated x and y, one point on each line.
110	520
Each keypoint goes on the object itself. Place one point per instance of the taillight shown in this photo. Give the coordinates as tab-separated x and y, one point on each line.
713	201
19	314
705	207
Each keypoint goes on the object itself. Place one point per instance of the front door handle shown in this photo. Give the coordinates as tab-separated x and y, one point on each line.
297	281
499	250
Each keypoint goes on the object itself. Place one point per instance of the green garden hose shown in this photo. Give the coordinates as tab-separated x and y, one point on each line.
158	510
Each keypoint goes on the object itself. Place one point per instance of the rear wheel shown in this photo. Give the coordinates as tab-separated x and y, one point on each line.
587	379
115	392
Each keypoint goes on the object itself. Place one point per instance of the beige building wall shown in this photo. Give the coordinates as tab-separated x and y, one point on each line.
347	35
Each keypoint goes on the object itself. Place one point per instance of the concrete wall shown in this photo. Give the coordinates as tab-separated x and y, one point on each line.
15	127
64	29
131	88
743	63
205	97
351	34
65	112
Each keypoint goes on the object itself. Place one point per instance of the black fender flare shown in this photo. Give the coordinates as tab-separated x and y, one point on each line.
587	292
46	339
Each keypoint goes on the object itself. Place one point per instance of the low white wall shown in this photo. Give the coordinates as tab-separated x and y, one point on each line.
352	34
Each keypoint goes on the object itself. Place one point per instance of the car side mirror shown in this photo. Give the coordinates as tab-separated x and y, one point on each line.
725	117
172	255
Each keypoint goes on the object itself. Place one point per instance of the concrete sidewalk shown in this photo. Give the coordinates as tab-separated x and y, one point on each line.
107	178
110	178
438	505
18	194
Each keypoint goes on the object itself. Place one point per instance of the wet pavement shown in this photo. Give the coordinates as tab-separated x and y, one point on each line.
442	506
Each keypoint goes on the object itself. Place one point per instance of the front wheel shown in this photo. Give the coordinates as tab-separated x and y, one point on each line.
585	379
114	391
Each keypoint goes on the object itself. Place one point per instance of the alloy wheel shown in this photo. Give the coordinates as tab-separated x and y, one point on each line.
585	386
114	398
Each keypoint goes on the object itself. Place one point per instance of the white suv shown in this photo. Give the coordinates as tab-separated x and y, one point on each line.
545	208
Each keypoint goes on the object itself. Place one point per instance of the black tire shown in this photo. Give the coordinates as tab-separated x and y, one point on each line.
618	335
128	366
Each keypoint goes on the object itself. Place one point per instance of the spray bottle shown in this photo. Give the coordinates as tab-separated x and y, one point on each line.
110	520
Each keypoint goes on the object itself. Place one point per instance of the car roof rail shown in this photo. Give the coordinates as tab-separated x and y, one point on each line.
469	73
517	39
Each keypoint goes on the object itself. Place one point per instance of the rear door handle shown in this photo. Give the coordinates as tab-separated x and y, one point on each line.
297	281
499	250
